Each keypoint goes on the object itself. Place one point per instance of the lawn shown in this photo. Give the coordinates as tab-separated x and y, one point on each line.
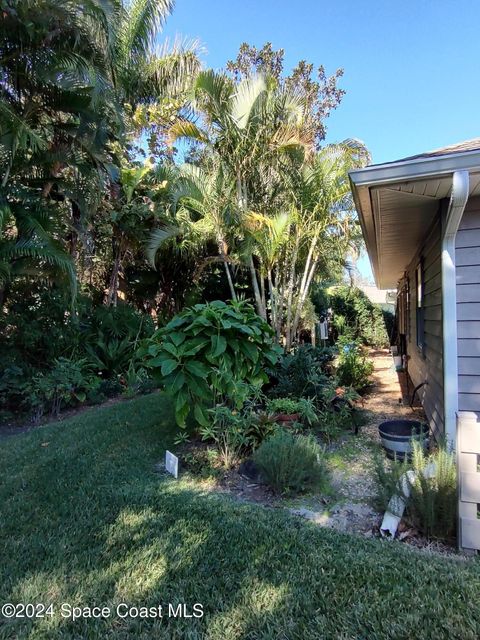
87	520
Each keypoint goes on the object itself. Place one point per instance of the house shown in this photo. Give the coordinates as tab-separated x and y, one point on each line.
420	218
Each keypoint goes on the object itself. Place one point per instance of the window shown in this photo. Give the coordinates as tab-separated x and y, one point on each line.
420	309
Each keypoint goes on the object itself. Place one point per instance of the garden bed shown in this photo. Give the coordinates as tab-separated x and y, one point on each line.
349	502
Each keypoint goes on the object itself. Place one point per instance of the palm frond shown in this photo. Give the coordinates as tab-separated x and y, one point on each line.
142	20
248	93
156	239
171	70
184	129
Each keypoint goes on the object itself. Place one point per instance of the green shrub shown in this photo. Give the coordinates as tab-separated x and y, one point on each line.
228	430
433	500
364	318
302	373
291	463
13	381
387	474
111	335
202	462
259	426
432	503
66	384
211	354
40	330
304	407
354	369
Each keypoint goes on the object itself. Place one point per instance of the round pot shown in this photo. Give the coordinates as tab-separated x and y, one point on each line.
397	437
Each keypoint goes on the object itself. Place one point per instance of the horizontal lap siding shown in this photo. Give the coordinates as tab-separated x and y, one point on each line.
468	307
428	366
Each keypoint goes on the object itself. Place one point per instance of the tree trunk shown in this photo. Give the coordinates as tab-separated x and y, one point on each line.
273	319
111	298
74	234
222	246
230	281
290	286
302	296
256	289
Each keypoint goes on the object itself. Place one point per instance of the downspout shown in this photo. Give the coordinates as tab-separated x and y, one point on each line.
456	207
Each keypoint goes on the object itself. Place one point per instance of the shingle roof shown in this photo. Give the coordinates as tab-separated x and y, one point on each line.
466	145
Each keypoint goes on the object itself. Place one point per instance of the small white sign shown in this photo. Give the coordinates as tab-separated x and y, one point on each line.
171	464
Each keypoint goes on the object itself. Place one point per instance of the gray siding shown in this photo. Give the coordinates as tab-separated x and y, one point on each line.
467	257
427	364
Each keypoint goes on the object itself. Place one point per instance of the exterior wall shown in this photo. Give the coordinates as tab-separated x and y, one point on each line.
467	258
426	365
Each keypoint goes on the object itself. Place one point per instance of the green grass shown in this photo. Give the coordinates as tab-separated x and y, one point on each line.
87	520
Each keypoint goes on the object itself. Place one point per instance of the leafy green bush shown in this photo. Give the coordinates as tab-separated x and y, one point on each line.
354	369
40	329
358	313
228	430
66	384
260	426
387	475
202	462
111	337
433	499
290	463
13	380
211	354
302	373
304	407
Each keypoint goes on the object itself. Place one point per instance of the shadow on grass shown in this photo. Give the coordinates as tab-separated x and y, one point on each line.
87	521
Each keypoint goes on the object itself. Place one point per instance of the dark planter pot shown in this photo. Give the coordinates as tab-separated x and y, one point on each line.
287	418
397	437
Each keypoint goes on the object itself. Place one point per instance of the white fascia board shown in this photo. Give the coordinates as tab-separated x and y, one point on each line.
415	169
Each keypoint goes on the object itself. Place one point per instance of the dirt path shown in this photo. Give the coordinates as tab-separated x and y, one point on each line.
351	460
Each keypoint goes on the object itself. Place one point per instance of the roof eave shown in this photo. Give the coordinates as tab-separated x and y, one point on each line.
362	180
416	168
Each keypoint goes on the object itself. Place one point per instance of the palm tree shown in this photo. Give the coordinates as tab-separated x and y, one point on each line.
209	193
54	80
250	126
28	247
67	70
322	229
54	60
143	73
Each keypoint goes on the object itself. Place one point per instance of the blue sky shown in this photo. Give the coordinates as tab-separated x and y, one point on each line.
411	67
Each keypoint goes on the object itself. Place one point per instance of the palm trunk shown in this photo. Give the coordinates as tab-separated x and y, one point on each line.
307	276
262	290
273	319
290	286
242	203
230	280
256	289
302	297
112	291
223	254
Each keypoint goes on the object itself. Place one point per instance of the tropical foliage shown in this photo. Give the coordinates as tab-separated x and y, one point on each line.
209	355
105	236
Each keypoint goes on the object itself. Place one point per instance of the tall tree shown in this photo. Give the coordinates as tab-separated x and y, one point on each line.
321	93
248	125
